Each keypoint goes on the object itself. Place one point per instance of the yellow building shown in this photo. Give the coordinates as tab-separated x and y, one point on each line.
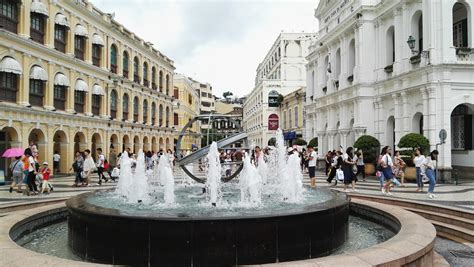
71	78
292	112
186	108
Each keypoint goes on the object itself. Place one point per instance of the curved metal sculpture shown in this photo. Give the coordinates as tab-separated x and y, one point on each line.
183	161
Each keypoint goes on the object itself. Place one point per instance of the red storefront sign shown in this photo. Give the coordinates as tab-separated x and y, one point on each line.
273	122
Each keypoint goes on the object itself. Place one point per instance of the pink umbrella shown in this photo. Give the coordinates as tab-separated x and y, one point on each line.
13	152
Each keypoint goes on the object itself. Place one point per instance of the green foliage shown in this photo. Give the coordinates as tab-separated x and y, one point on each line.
226	94
299	142
272	141
370	147
409	142
213	136
314	142
414	140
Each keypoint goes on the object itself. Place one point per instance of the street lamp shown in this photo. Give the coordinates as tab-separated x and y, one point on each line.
411	43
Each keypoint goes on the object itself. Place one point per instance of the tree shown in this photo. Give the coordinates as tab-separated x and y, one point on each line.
227	94
314	142
409	142
299	142
370	147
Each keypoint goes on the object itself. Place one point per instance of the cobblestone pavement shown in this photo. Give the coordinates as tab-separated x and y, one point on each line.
461	196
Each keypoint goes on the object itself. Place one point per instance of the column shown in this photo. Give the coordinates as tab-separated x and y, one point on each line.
432	116
397	65
24	20
88	96
424	97
70	92
70	38
104	101
49	36
119	103
405	117
397	130
88	52
49	87
24	92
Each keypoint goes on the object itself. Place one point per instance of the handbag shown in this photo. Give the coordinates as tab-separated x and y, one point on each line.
340	175
354	169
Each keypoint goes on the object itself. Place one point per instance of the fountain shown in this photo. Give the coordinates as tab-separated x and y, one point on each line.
165	174
213	174
250	183
179	225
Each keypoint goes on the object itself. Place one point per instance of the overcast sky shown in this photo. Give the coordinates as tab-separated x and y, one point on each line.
215	41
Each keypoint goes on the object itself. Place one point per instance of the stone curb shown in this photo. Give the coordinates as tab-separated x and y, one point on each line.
412	245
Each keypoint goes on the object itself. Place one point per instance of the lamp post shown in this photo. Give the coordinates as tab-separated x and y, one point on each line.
411	44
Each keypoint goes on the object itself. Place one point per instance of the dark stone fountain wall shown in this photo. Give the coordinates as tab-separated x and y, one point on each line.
105	236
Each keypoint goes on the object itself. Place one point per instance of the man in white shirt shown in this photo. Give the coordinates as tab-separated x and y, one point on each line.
312	157
100	166
56	159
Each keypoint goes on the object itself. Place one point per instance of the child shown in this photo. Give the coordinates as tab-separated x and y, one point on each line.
46	171
115	173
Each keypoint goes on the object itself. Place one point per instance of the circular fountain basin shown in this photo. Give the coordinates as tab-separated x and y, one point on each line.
102	233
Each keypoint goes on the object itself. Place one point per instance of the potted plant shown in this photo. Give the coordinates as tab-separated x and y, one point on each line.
314	142
370	148
407	144
299	142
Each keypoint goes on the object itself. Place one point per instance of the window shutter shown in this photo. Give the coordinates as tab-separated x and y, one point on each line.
465	42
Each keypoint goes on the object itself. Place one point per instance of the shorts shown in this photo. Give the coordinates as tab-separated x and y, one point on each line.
17	178
56	165
312	171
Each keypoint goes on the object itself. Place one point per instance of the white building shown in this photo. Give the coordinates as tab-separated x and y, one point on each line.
280	73
362	77
206	98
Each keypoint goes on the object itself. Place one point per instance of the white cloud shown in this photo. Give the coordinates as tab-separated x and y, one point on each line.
215	41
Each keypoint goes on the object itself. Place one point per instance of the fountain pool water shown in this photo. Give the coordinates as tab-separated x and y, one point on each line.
238	222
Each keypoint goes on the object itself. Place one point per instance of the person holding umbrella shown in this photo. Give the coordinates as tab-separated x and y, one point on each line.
16	167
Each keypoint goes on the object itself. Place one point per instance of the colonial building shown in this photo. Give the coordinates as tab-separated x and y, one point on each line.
233	111
186	108
207	100
388	68
281	72
292	112
72	78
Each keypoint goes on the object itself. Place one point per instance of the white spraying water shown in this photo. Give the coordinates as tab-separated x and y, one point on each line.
293	184
262	169
165	174
250	183
213	174
133	187
280	163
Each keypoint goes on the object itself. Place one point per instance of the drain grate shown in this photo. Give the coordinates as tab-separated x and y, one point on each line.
462	253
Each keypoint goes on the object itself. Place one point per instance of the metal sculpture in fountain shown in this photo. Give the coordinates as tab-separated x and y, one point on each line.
237	136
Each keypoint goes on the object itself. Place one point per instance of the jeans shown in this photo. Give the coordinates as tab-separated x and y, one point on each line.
360	169
381	179
419	180
100	172
432	177
78	179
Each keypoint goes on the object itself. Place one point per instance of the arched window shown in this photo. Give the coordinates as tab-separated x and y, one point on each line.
125	102
153	113
113	59
135	109
113	104
153	78
61	83
145	111
337	68
145	74
136	66
97	94
61	26
417	30
80	38
327	71
125	61
38	77
390	46
160	116
167	84
9	15
37	23
161	81
167	117
296	117
461	34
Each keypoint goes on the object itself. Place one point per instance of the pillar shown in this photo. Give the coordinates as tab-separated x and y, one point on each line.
70	93
49	87
432	116
24	86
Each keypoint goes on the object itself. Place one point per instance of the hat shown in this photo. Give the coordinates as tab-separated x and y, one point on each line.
45	163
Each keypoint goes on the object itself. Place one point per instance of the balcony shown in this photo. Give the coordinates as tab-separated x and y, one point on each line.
37	36
464	55
135	117
60	104
60	45
8	24
154	86
113	113
79	107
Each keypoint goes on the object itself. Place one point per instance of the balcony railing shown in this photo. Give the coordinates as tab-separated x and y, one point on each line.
79	107
37	36
60	104
135	117
136	78
96	61
113	113
36	100
60	45
465	54
96	110
8	24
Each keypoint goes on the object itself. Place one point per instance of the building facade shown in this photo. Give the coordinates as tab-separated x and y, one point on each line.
207	101
363	76
292	115
186	108
281	72
234	112
72	78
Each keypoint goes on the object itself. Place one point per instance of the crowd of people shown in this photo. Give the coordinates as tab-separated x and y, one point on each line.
343	166
346	166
